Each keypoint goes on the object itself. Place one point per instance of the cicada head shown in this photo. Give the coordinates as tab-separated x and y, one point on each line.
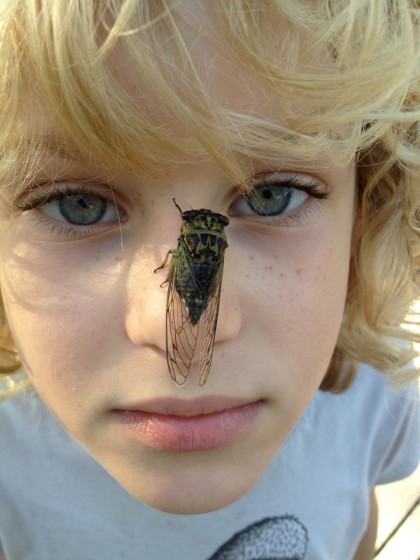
203	220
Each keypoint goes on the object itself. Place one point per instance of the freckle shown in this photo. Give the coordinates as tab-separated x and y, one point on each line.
246	275
118	258
269	268
251	257
299	272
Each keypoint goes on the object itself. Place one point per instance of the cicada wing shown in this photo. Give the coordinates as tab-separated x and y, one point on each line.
208	324
183	339
181	335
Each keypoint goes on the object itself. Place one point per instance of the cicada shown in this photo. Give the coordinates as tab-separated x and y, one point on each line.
194	288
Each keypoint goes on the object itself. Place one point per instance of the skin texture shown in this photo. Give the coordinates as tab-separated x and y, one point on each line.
88	313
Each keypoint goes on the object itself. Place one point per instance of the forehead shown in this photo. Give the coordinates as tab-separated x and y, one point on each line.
188	83
203	49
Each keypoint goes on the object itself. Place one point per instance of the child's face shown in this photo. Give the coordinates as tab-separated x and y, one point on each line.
88	316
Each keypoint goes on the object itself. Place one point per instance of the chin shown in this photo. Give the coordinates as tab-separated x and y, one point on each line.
190	484
191	499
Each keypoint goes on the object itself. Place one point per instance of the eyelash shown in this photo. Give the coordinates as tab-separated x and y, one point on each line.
295	183
60	191
285	182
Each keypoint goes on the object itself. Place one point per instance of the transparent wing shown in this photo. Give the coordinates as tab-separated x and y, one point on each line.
183	339
181	335
208	325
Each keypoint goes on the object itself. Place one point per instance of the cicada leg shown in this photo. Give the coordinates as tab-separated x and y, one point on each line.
168	254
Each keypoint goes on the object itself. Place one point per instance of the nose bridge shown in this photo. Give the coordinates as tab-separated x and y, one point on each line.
146	299
146	290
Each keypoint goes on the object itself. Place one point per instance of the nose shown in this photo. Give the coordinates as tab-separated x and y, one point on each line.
156	308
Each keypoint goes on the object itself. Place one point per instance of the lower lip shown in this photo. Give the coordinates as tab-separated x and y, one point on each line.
189	433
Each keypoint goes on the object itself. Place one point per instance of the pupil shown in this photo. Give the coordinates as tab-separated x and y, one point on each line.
83	202
270	200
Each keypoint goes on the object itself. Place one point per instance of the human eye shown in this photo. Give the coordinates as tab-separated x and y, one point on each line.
72	207
280	196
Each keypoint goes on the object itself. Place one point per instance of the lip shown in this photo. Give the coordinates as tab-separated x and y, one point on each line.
183	426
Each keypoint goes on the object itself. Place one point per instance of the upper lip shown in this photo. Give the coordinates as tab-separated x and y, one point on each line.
187	407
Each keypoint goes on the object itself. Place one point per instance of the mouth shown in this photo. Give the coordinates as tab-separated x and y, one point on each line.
184	426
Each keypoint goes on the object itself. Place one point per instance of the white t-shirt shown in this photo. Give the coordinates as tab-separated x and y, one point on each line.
57	503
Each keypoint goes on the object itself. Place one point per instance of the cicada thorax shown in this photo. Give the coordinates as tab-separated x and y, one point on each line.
203	238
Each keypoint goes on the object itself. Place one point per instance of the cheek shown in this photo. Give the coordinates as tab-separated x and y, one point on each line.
315	289
297	296
56	306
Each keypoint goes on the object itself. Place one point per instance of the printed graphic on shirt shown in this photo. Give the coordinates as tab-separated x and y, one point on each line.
273	538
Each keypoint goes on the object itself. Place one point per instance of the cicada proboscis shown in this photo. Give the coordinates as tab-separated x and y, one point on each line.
194	288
